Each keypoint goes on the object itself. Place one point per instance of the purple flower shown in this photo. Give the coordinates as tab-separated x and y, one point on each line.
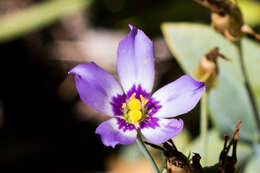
130	105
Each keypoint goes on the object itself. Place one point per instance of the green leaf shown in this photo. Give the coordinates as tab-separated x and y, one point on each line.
252	60
38	16
213	149
228	102
253	164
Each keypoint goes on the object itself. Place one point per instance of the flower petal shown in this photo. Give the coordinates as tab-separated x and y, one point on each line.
135	60
96	87
167	129
178	97
111	135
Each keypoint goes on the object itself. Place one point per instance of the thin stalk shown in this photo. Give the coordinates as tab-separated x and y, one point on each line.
204	125
247	85
203	116
146	153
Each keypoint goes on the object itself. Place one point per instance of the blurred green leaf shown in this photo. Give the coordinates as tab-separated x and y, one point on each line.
229	102
182	139
212	151
37	16
252	60
130	152
214	148
254	163
251	11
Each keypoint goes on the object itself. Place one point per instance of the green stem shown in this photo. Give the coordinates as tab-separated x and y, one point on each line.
146	153
247	85
203	116
204	125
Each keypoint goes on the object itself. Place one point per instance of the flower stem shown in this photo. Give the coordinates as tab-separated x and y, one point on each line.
247	85
204	125
146	153
203	116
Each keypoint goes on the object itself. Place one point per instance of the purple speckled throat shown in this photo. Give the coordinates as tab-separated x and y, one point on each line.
151	107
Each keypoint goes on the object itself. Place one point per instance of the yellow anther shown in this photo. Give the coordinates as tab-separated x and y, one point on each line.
143	100
132	96
134	104
135	116
124	105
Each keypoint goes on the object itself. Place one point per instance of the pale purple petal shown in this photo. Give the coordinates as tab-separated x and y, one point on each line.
135	61
167	129
178	97
96	87
111	135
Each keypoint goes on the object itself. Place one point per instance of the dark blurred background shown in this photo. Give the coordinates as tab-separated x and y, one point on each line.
44	127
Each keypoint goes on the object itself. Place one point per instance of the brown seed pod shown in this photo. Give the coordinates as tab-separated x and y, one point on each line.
247	30
229	24
207	70
226	18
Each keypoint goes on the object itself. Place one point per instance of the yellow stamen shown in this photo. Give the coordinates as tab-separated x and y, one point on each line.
143	100
134	105
135	116
124	105
132	96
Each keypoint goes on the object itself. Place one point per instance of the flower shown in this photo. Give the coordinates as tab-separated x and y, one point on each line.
130	105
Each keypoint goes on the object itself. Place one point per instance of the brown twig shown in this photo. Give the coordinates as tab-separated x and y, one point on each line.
175	160
227	163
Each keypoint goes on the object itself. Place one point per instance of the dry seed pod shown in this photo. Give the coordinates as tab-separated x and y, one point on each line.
229	24
196	167
226	18
247	30
207	70
176	162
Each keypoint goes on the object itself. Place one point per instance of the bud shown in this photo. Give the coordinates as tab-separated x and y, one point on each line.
207	70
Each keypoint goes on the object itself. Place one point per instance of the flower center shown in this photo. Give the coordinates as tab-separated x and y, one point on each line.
134	109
